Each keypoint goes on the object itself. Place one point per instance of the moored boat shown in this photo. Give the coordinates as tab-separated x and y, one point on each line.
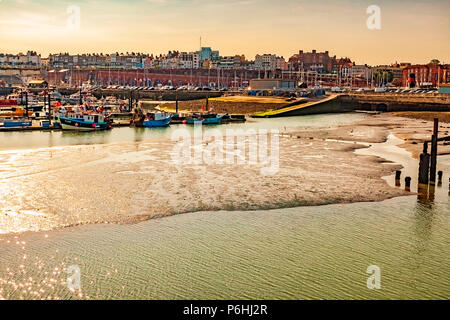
15	123
10	108
227	118
158	119
87	122
207	118
120	118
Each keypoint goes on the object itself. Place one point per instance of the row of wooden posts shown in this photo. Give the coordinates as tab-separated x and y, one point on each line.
422	187
427	166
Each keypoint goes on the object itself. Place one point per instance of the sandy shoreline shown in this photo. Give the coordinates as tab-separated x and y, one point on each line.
129	182
414	128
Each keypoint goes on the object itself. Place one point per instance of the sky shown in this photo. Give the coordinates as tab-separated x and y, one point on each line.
410	31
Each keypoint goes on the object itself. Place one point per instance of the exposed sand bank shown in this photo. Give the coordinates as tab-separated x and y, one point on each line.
413	127
134	181
410	127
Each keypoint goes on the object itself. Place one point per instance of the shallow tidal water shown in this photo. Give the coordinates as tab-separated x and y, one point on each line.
40	139
298	253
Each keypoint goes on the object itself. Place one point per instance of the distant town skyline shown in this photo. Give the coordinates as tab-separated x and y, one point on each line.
411	31
248	58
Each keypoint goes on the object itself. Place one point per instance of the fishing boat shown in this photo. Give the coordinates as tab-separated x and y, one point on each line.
158	119
207	118
86	122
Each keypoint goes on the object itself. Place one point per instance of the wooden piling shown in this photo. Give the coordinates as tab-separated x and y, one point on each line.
431	193
433	159
440	174
424	167
398	175
26	103
130	101
137	99
176	103
49	110
408	183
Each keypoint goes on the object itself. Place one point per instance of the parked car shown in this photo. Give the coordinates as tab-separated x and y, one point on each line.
380	89
336	89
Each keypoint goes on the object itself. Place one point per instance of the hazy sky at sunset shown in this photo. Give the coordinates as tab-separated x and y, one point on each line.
414	31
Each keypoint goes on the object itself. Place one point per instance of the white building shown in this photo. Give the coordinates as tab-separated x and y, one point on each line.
266	62
31	59
189	60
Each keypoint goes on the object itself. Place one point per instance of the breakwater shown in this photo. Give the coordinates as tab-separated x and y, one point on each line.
349	102
388	102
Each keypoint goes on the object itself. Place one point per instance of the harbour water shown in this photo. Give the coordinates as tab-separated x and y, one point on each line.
42	139
297	253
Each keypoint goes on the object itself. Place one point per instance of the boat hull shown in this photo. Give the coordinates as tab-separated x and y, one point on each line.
15	124
212	120
78	125
157	123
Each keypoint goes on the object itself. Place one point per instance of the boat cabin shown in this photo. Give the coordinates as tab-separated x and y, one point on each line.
157	116
38	84
93	118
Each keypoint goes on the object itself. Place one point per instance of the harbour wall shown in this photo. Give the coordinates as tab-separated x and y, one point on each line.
384	102
388	102
157	95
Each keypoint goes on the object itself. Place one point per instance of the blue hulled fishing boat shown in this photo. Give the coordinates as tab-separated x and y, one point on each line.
159	119
90	122
209	118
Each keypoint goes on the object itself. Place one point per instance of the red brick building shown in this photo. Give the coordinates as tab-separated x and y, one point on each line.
312	61
426	75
